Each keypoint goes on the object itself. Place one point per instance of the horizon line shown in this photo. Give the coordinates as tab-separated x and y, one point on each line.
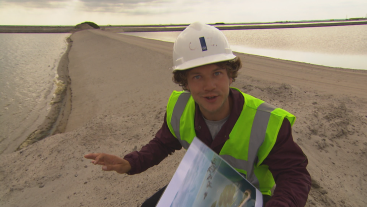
186	24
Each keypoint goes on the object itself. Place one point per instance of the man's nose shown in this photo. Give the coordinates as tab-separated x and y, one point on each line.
209	84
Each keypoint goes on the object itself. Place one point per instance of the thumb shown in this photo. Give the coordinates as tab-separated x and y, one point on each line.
118	168
110	167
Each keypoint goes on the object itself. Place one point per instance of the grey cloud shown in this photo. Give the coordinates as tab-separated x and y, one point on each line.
38	3
132	7
117	1
34	1
97	5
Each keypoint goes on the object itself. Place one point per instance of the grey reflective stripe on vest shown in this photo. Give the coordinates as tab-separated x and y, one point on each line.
176	116
257	137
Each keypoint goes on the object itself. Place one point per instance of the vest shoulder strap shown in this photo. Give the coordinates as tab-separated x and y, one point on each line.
180	115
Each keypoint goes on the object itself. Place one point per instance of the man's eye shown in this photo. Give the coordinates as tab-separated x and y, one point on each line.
217	73
197	77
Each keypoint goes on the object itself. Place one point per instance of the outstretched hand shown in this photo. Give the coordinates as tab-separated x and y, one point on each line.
109	162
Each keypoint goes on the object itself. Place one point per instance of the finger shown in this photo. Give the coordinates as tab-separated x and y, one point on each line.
97	163
99	159
116	168
91	155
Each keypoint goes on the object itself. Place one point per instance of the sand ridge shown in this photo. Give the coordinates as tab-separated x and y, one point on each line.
120	86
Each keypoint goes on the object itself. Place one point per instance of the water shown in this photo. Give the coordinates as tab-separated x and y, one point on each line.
338	46
28	64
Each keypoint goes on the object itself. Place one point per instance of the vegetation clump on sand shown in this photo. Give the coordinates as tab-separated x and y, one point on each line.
87	25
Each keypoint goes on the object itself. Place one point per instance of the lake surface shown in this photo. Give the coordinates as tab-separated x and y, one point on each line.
28	64
337	46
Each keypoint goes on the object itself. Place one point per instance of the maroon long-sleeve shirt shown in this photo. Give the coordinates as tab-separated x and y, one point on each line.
286	160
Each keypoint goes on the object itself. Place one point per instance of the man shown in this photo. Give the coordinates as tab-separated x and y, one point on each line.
251	135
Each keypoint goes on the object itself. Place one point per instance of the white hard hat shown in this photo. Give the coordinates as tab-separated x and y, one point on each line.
200	44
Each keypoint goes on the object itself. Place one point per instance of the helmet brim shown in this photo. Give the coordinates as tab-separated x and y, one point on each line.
206	60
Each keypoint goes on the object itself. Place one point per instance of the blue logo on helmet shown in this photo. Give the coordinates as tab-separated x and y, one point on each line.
203	44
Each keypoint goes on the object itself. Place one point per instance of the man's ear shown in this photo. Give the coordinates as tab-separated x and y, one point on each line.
187	87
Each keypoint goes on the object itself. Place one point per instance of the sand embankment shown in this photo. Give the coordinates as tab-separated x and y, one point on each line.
120	85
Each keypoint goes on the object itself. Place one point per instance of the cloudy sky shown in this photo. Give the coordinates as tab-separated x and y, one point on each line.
122	12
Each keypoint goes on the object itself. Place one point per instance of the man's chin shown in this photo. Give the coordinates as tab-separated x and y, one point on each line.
210	110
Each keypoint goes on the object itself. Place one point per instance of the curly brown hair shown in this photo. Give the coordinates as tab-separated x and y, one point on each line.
232	67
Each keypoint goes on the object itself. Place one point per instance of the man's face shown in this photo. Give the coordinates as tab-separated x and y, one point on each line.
209	86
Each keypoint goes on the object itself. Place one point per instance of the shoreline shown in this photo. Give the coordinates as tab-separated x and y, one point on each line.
56	120
162	28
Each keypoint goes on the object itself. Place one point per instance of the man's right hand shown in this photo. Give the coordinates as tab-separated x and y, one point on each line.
109	162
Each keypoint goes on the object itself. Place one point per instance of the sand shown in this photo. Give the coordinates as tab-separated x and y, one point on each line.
119	89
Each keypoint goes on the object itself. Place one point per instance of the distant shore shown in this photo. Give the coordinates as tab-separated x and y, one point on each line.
156	28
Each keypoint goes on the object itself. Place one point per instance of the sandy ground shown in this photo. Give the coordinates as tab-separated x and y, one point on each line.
120	86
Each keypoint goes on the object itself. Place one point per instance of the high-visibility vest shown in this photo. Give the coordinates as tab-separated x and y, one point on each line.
250	141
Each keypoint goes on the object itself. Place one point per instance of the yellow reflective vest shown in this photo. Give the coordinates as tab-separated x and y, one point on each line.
250	141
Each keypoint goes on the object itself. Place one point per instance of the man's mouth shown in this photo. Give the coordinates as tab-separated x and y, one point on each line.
210	97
